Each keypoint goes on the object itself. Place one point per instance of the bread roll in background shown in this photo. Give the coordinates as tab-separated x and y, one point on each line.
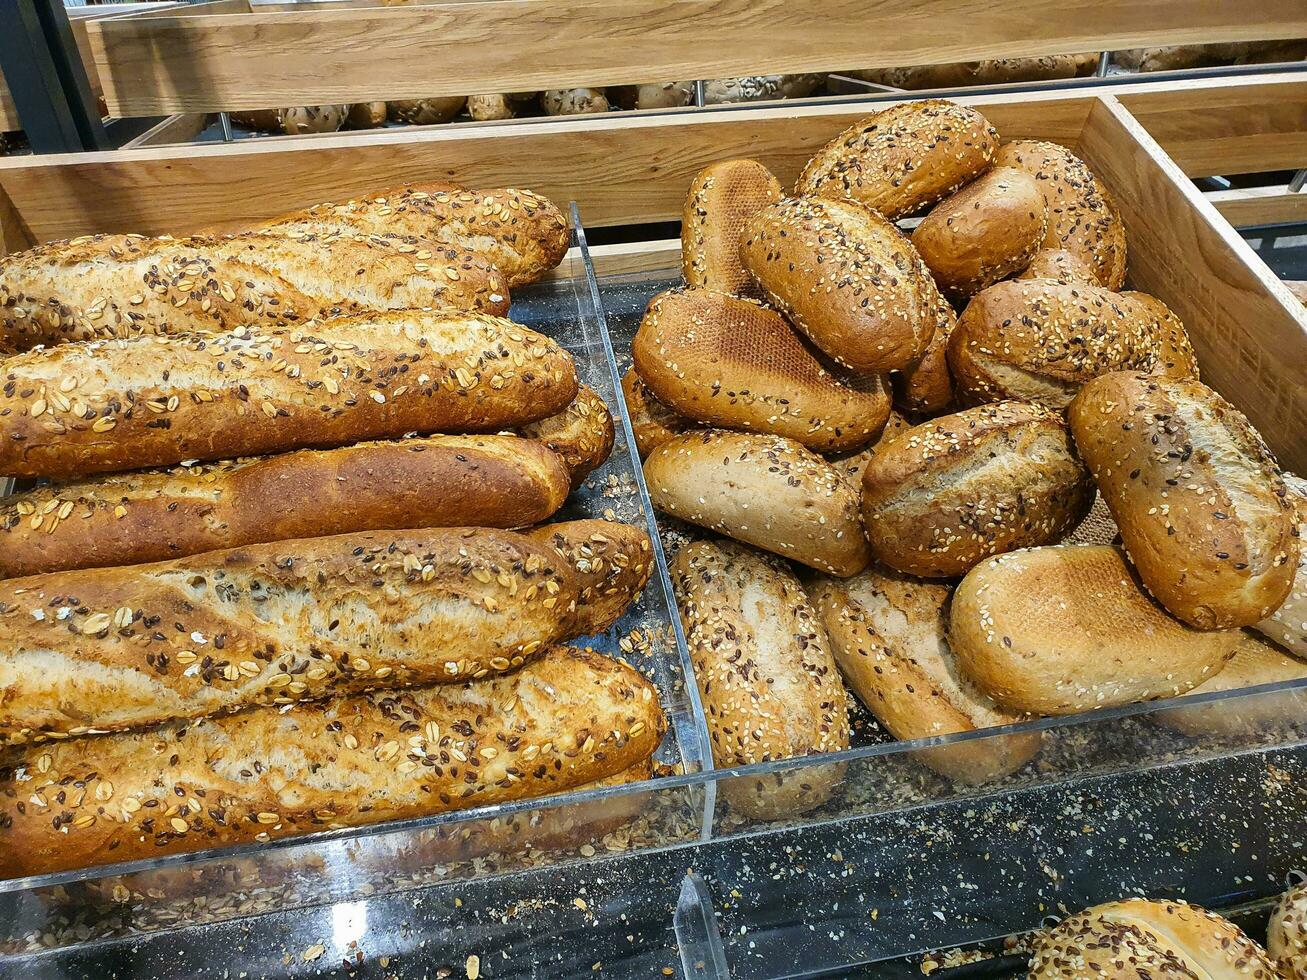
1060	265
426	112
988	230
926	387
652	422
764	490
651	95
903	158
366	115
1286	934
582	434
573	101
1203	511
1298	289
888	632
483	108
846	277
722	198
1058	630
949	493
735	364
1175	354
769	685
851	465
990	71
1287	626
759	88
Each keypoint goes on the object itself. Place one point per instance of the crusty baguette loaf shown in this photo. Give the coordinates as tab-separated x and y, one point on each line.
769	686
581	434
1082	219
1287	626
1054	631
926	386
888	632
1203	511
566	719
100	406
115	648
989	229
764	490
1286	934
950	493
1175	354
903	158
132	518
652	422
723	196
1137	937
844	276
1059	264
735	364
852	465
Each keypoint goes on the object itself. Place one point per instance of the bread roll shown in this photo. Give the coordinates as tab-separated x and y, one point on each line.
1176	358
652	95
759	88
366	115
1055	631
926	386
582	434
851	465
844	276
128	519
888	632
1059	264
722	198
733	363
1082	218
764	490
1286	934
564	720
652	422
991	71
486	107
1202	509
947	494
573	101
108	405
903	158
312	119
609	563
426	112
768	683
1287	626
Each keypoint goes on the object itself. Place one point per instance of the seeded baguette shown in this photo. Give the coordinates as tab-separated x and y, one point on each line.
1286	934
723	196
652	422
769	685
133	518
1203	511
581	434
101	406
117	648
566	719
764	490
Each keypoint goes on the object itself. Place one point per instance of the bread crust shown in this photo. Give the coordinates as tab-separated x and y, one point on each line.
1203	511
903	158
1059	630
1286	934
1175	354
990	71
1287	626
846	277
582	434
609	563
1060	265
652	422
722	197
925	387
566	719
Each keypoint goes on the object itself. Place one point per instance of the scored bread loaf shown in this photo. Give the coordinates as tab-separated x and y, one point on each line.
652	422
723	196
1287	626
846	277
926	386
1061	265
768	683
767	491
114	648
949	493
106	405
1286	934
733	363
1203	511
1054	631
582	434
1175	354
564	720
132	518
903	158
888	632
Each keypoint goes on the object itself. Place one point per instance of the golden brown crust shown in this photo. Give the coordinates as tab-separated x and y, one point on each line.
1175	354
852	465
609	562
723	196
926	386
1286	934
1060	265
426	112
582	434
1287	626
566	719
652	422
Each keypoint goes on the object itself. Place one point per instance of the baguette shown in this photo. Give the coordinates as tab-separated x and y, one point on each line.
722	198
1055	631
769	685
1287	626
846	277
652	422
889	635
1286	934
1203	511
100	406
903	158
926	386
116	648
735	364
1061	265
764	490
566	719
582	434
133	518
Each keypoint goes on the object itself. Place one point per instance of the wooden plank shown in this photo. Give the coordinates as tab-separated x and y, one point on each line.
178	129
8	111
202	62
1259	205
1249	334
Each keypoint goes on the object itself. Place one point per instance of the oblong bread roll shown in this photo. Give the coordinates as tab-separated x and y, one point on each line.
1175	354
1061	265
723	196
652	422
926	386
582	434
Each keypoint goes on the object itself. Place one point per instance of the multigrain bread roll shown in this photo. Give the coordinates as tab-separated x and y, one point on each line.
733	363
925	387
107	405
573	101
1054	631
888	633
851	465
1203	511
1137	937
986	231
903	158
1175	354
485	107
582	434
1287	626
116	648
844	276
722	198
764	490
1082	219
366	115
1061	265
991	71
769	686
652	422
426	112
1286	934
566	719
947	494
759	88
